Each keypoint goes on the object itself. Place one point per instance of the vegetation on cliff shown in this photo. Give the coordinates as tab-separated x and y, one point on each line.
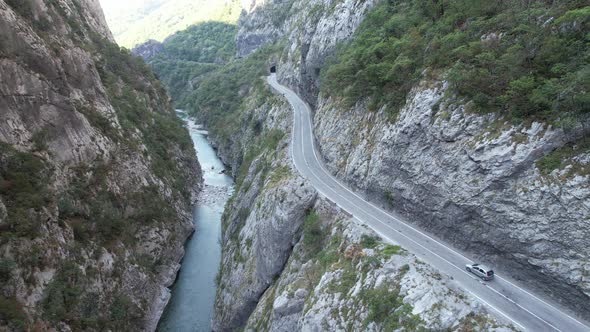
219	96
522	59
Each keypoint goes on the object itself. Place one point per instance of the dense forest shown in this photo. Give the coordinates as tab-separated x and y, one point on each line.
524	59
190	54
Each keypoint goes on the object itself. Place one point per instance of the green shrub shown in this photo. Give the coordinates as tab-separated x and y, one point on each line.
313	234
6	267
279	174
561	157
386	307
23	7
35	257
110	224
368	241
62	294
272	138
390	250
121	309
149	206
347	279
39	140
67	207
82	229
12	314
24	180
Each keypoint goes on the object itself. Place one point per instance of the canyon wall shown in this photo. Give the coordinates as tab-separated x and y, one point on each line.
475	180
97	175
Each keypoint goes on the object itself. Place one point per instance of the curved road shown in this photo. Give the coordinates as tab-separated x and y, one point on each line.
518	305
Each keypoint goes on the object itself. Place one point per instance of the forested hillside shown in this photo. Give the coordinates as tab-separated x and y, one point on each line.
136	21
187	56
525	61
521	59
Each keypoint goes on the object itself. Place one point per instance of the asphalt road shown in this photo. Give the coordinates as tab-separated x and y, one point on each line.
519	306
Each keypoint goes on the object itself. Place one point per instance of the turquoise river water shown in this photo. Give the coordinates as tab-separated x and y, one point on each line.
193	293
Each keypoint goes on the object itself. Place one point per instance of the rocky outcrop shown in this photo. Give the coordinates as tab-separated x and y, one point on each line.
96	175
356	282
149	49
311	30
258	243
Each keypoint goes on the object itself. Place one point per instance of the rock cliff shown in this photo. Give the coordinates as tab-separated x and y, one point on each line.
96	175
148	50
473	180
312	29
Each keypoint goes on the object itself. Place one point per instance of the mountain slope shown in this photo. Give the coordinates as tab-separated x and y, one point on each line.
97	175
158	19
186	57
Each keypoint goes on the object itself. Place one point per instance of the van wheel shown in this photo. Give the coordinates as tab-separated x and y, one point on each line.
468	269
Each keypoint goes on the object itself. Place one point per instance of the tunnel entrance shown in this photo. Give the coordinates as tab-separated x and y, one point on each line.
273	69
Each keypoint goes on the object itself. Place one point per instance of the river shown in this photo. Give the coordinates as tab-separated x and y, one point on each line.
193	294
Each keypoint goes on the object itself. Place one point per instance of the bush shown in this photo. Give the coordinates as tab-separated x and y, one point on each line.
62	294
313	234
149	206
563	156
23	7
386	307
82	229
120	309
6	267
368	241
24	180
390	250
12	314
110	224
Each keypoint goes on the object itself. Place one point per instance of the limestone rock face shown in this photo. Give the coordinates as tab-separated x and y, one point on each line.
310	296
472	180
91	204
149	49
266	239
311	30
